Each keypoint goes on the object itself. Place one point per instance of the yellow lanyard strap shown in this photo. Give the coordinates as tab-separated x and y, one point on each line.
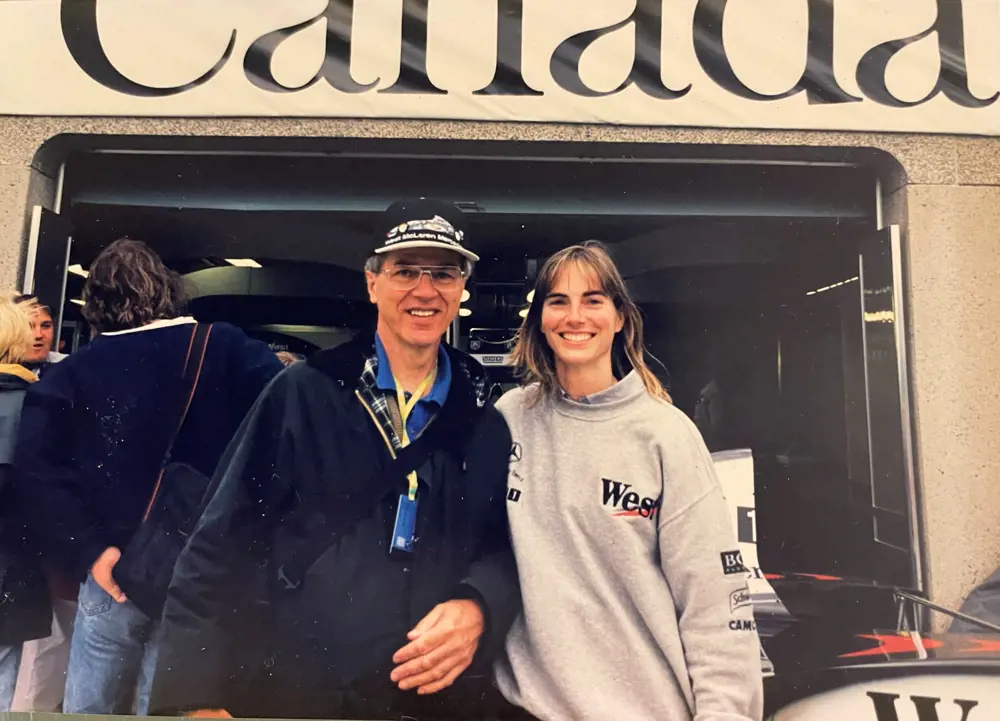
405	407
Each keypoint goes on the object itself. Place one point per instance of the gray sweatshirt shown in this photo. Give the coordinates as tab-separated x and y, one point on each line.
635	600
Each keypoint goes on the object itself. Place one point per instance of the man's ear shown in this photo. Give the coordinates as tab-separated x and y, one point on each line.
370	279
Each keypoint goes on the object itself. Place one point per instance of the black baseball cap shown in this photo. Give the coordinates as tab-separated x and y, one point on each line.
422	223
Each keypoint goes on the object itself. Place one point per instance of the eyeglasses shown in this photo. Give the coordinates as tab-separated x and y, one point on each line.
443	277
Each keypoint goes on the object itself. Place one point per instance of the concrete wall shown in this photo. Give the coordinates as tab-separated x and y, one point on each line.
947	199
952	232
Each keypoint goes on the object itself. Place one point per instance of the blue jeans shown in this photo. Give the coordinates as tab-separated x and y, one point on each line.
111	658
10	662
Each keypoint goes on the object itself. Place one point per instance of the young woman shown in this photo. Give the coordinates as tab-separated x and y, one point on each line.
26	612
634	593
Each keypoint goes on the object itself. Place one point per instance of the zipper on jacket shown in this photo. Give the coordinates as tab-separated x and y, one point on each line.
381	430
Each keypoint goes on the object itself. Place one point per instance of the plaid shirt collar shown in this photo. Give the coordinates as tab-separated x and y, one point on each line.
378	400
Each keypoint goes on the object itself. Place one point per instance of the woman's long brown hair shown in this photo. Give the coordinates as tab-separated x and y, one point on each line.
532	357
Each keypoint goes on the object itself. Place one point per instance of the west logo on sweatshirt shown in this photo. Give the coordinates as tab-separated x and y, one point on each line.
618	495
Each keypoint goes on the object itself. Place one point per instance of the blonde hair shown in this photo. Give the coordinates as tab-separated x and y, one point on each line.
532	357
16	336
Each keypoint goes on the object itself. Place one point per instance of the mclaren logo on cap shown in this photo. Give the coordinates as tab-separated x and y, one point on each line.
436	228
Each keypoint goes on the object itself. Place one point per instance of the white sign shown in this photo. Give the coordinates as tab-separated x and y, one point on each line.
734	469
946	697
890	65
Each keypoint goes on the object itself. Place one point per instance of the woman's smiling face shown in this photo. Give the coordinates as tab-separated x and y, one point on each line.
579	320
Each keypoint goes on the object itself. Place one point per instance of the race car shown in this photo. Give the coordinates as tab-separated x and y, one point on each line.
843	649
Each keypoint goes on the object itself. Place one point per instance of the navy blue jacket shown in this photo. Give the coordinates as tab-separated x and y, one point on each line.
287	585
95	428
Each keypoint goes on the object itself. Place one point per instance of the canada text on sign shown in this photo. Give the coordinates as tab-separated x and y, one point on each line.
918	65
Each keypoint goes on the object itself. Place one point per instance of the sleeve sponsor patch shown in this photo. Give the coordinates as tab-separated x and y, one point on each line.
739	598
732	562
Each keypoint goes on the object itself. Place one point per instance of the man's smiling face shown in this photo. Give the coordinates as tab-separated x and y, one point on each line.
420	315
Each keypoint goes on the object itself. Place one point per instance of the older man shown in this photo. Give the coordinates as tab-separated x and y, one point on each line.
355	559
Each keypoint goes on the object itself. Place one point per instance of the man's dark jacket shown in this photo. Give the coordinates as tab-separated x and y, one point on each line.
286	588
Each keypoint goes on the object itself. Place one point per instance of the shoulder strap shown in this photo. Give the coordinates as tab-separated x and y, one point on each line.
192	371
189	379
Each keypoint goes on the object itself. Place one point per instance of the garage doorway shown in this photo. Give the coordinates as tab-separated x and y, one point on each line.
772	297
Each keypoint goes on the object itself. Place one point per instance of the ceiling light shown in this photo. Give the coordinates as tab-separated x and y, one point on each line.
465	312
531	295
523	312
77	269
831	287
466	295
76	300
243	262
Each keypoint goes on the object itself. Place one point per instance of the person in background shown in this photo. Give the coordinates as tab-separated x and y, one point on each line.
355	561
41	682
616	513
43	331
92	440
42	679
25	613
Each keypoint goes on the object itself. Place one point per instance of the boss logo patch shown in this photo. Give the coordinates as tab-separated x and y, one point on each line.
732	562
